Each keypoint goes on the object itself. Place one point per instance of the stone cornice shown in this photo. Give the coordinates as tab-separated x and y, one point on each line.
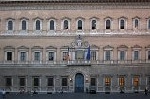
71	6
71	1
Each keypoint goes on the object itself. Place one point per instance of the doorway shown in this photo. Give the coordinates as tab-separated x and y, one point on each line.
79	83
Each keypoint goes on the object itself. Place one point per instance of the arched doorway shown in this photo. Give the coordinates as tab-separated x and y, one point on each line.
79	82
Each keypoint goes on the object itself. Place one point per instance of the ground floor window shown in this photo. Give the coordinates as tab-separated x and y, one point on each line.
8	81
93	82
22	81
136	81
64	81
50	81
107	81
35	81
121	81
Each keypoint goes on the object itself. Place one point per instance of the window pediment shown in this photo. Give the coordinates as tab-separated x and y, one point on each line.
80	18
36	47
9	47
106	18
23	48
24	18
10	19
51	47
38	18
123	17
122	47
147	47
66	18
51	18
137	46
94	47
108	47
64	47
92	18
136	17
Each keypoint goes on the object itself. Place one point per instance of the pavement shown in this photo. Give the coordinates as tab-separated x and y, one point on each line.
79	96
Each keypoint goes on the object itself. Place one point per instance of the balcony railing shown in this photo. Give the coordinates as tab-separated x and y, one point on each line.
75	32
72	62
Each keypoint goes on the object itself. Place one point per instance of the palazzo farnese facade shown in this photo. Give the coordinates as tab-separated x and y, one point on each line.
44	45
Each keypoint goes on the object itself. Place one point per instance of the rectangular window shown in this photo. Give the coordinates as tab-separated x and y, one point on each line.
93	24
108	55
22	56
121	81
148	82
22	81
93	55
51	56
8	81
79	55
122	55
64	82
37	56
93	82
107	81
36	81
136	81
65	56
9	56
148	55
50	81
136	55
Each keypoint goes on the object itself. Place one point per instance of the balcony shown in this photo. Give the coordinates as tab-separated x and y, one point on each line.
73	63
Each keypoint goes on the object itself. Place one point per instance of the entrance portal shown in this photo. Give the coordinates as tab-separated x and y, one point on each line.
79	83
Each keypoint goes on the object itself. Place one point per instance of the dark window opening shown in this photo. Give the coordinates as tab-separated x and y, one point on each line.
108	24
79	25
51	25
24	25
122	24
22	81
38	25
10	25
36	82
64	82
9	56
93	24
65	24
8	82
50	81
93	82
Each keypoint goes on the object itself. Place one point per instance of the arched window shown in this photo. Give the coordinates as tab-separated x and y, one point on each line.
122	24
10	25
80	25
38	25
52	25
24	25
108	24
93	24
66	24
136	23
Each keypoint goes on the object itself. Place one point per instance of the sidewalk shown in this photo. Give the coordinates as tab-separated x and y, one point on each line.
79	96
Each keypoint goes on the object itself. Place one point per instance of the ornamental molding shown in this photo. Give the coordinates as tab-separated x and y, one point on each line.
7	7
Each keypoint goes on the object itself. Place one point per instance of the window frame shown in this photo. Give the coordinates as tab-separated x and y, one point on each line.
63	24
125	23
77	25
106	24
13	25
6	81
134	23
33	81
148	24
91	24
49	25
35	27
51	83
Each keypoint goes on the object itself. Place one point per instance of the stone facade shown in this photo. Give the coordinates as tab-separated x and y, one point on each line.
53	59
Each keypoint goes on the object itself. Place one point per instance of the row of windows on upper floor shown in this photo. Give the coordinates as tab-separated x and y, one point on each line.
23	55
79	24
